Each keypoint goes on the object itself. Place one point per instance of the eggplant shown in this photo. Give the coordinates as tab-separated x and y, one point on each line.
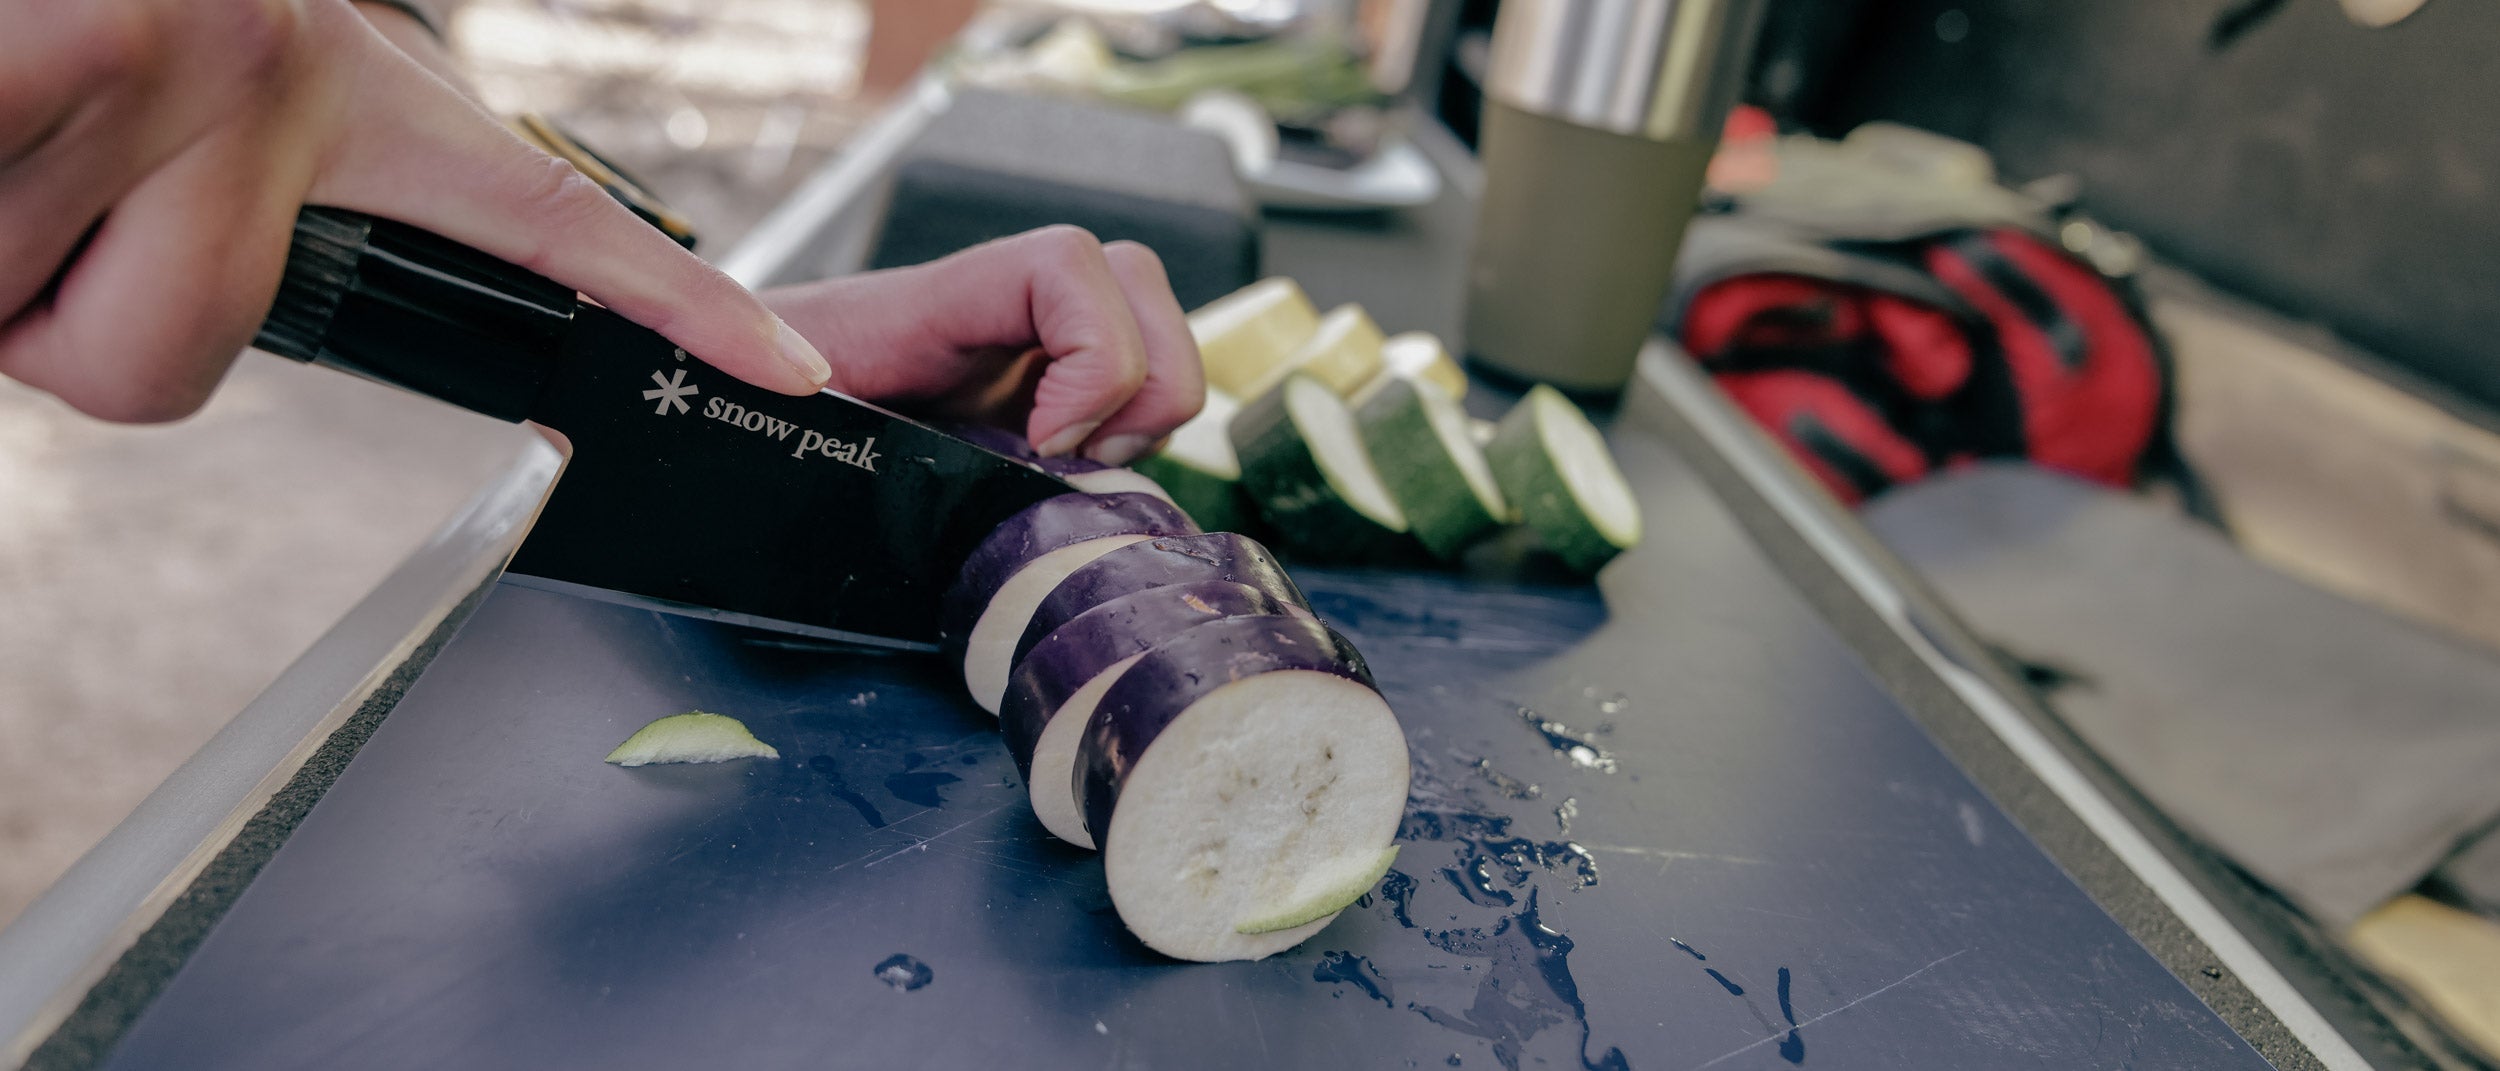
1096	478
1245	781
1085	474
1055	685
1154	563
1011	571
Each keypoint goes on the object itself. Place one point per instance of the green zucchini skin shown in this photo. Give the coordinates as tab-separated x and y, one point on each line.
1442	508
1217	504
1522	454
1285	480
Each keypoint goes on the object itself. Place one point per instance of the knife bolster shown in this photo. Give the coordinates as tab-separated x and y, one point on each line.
393	303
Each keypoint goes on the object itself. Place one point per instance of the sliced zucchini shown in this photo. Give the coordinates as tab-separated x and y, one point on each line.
1344	353
1303	462
1419	441
1200	471
1245	337
1416	355
694	736
1555	470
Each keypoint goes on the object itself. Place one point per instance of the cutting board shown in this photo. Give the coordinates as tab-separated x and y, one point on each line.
1668	821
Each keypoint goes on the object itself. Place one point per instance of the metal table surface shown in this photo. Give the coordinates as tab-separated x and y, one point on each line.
1773	863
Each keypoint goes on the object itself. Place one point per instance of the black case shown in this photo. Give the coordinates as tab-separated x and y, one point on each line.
995	164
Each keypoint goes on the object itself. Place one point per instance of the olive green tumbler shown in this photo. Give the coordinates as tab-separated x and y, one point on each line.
1600	118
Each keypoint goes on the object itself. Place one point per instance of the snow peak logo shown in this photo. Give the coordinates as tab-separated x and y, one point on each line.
862	454
672	390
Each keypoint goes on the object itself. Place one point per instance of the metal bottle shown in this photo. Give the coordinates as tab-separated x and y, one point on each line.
1600	118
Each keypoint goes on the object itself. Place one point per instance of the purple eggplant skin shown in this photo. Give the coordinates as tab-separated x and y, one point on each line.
1091	642
1156	563
1183	670
1068	465
996	440
1001	441
1041	528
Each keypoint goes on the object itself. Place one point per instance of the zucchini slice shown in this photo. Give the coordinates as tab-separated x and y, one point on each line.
1554	468
1199	470
1246	336
1419	441
1304	463
1416	355
694	736
1344	353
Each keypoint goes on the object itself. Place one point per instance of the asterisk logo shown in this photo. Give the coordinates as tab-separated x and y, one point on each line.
673	391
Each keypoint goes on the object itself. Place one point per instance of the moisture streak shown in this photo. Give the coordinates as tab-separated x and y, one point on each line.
1355	971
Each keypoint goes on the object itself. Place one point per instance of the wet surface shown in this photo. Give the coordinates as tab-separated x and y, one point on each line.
1602	797
904	973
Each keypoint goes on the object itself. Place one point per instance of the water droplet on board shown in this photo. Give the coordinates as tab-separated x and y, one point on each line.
903	972
1580	748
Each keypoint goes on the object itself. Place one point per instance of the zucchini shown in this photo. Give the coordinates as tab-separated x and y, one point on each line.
694	736
1199	470
1418	439
1304	464
1344	352
1415	355
1246	338
1554	468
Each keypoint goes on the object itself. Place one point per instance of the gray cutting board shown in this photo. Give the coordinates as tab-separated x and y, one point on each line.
1763	864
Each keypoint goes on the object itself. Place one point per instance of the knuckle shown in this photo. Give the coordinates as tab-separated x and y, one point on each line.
1138	253
261	34
115	42
555	197
1065	244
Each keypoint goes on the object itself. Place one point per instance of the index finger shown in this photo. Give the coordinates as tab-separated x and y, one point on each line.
414	150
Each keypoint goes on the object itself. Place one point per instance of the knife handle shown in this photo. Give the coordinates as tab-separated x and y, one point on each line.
390	302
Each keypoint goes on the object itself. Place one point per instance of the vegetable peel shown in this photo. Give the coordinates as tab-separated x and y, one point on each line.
695	736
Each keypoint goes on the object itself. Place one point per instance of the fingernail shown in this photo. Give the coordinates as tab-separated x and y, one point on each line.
802	356
1067	439
1120	449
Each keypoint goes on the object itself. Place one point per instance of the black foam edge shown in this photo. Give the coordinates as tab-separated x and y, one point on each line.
111	1006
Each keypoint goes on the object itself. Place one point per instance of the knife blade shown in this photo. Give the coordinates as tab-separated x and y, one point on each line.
686	490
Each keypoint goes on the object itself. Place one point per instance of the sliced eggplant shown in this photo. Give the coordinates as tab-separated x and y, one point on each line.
1020	563
1055	685
1238	777
996	440
1085	474
1110	480
1155	563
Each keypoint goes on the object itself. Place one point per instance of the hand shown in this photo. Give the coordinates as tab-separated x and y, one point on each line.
153	154
1079	342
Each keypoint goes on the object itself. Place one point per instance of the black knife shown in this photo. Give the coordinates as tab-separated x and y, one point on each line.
687	490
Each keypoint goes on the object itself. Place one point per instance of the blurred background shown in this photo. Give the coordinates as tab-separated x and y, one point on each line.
2297	199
